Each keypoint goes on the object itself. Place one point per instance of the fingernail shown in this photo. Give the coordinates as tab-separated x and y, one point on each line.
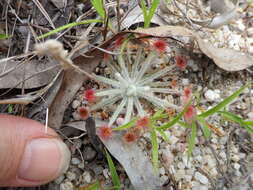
44	159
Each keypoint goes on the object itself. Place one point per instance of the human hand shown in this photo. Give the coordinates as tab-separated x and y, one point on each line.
29	156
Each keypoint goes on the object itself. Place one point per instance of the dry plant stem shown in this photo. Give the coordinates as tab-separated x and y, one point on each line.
30	97
44	12
46	70
185	15
4	73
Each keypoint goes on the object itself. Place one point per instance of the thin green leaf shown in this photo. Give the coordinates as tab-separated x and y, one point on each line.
183	124
151	13
3	36
126	126
68	26
204	125
192	139
144	10
115	177
237	119
163	134
99	6
159	115
94	186
154	149
250	123
175	119
224	103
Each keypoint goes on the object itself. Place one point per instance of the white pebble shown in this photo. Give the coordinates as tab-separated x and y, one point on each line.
71	176
201	178
236	166
211	163
106	173
179	174
87	177
212	95
185	82
66	186
59	179
180	165
75	161
75	104
188	178
164	178
203	187
223	155
214	172
162	171
173	139
235	157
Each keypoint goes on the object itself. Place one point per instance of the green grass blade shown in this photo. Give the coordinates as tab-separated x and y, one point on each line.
95	186
3	36
126	126
175	119
154	150
159	115
99	6
163	134
115	177
144	11
224	103
237	119
68	26
250	123
204	125
192	139
152	10
183	124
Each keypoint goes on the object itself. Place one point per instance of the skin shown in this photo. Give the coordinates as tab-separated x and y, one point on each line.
25	165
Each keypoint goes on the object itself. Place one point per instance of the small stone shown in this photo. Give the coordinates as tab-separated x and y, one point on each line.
214	172
198	158
201	178
212	95
75	161
98	170
211	162
223	155
214	140
173	139
75	104
180	165
250	115
167	157
188	178
87	177
185	82
89	153
236	166
164	178
235	157
66	186
106	173
190	172
162	171
81	165
187	161
71	176
59	179
179	174
203	187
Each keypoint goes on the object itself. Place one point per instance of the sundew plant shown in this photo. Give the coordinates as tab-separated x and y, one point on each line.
133	83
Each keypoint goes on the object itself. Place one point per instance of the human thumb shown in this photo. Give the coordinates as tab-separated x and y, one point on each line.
28	155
